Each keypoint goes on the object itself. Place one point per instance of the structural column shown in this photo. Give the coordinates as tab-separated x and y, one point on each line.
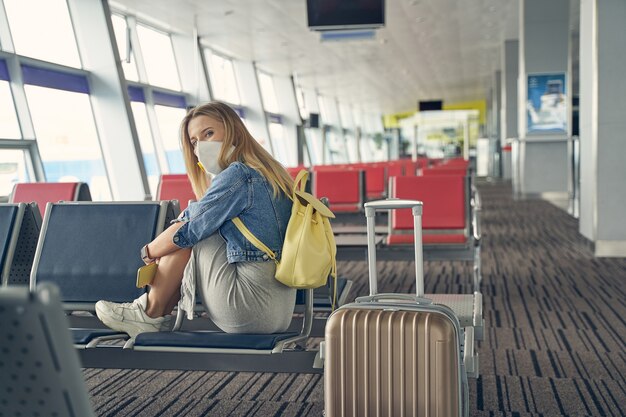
109	99
508	105
603	125
495	162
544	112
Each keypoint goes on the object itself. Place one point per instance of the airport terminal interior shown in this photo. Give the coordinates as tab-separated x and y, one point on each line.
466	156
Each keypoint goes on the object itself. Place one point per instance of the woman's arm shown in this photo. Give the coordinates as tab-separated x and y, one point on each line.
163	244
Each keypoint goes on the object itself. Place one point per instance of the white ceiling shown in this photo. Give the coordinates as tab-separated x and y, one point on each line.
428	49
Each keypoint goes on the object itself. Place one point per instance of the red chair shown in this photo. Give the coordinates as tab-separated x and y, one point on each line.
445	209
450	218
375	179
49	192
175	187
343	188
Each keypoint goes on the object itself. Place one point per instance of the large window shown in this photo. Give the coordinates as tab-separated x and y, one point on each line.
9	127
169	126
335	146
43	30
67	138
277	133
13	169
315	145
158	57
147	146
347	122
268	93
222	75
122	35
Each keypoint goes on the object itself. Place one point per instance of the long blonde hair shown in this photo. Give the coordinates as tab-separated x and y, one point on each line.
247	150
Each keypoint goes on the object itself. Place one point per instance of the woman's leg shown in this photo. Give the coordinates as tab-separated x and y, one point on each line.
165	288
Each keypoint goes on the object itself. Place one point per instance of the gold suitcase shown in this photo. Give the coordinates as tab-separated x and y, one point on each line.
393	354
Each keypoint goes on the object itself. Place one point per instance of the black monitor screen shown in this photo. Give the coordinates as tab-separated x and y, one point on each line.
314	120
430	105
336	14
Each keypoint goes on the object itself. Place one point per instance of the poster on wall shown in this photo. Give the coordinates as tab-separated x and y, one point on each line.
546	108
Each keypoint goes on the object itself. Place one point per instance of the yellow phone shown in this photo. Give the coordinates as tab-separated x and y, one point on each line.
145	274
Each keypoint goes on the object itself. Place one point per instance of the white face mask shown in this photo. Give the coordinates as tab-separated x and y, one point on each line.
208	153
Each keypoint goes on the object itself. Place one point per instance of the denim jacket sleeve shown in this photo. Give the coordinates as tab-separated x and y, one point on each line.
225	199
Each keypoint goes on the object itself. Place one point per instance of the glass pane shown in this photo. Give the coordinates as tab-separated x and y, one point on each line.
43	30
358	119
367	151
158	57
352	148
67	138
9	127
323	111
314	143
13	169
130	68
223	80
301	103
169	119
329	111
268	94
147	145
345	113
280	150
336	147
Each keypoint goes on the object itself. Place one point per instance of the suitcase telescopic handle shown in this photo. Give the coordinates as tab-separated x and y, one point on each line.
393	297
393	204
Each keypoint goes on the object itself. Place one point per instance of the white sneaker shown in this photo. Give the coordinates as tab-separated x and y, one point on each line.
131	318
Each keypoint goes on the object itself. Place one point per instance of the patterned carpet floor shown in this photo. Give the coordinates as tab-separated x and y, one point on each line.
555	332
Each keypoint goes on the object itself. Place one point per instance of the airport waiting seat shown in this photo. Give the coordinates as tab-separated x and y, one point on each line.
375	180
395	169
41	373
19	230
211	340
450	230
175	187
49	192
90	250
215	350
450	222
444	209
468	308
345	189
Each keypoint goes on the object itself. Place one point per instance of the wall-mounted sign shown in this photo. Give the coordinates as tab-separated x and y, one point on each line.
546	108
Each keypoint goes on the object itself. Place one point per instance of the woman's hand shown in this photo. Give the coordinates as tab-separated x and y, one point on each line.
163	245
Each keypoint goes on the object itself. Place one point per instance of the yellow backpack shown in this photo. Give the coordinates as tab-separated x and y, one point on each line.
309	251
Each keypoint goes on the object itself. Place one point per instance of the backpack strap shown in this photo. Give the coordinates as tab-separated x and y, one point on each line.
299	184
253	239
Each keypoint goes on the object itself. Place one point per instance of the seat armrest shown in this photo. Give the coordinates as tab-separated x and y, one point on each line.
476	205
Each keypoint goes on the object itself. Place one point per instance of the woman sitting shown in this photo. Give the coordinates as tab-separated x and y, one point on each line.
203	250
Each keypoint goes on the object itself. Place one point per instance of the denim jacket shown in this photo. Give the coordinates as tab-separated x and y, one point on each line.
237	191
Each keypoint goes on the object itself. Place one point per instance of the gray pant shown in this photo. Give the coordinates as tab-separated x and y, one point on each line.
243	297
